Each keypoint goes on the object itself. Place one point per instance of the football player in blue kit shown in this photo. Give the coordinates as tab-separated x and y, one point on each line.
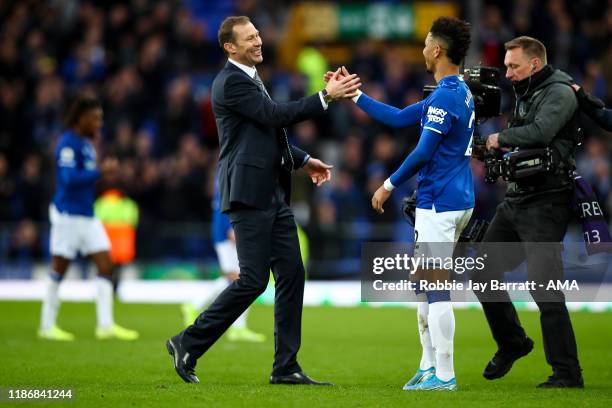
445	193
74	229
225	246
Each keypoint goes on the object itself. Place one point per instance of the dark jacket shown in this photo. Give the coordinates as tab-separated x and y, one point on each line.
248	123
595	109
544	116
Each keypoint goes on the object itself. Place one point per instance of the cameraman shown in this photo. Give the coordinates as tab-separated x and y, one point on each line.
535	209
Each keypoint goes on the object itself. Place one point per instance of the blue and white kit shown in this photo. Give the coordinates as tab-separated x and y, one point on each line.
445	196
74	229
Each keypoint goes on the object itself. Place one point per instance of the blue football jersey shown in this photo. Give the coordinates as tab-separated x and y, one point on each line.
76	175
220	221
446	180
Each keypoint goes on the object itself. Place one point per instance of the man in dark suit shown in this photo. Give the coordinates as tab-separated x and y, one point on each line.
254	170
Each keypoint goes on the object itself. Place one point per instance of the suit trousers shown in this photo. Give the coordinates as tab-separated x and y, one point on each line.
542	222
265	239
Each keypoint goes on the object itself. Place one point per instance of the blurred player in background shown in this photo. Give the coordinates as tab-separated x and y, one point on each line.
225	245
445	196
74	229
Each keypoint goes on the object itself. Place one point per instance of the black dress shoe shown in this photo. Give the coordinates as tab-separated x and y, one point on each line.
183	366
562	382
502	361
296	378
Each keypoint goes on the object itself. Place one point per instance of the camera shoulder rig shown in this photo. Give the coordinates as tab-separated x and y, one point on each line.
523	163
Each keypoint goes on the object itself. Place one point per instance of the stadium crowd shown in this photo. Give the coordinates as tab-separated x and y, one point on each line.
152	62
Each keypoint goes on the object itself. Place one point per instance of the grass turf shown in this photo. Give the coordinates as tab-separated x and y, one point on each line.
368	353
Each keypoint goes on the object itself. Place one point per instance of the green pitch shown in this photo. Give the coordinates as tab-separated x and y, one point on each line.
368	353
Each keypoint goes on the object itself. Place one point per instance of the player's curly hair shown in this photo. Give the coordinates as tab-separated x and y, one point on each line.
78	106
455	34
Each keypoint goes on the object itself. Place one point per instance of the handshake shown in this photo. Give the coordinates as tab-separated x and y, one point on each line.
341	85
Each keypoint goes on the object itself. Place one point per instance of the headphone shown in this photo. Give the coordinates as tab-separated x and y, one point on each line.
533	67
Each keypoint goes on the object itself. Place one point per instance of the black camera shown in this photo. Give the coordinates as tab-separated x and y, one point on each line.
519	164
492	162
484	86
409	208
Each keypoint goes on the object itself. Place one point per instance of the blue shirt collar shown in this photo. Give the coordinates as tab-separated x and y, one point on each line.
449	79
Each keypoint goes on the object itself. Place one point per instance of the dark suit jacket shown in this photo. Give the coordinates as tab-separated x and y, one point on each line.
248	123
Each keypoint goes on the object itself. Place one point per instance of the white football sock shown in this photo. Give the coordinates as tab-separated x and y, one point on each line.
218	286
104	302
51	302
241	321
428	358
442	328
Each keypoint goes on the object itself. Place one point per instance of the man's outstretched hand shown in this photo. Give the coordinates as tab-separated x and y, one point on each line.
342	85
339	73
318	171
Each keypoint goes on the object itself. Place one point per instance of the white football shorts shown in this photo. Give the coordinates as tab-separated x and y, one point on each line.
72	234
440	228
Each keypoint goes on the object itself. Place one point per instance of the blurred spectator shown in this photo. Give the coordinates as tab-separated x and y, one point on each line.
178	115
15	136
47	110
7	191
125	98
25	245
494	34
33	190
124	146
